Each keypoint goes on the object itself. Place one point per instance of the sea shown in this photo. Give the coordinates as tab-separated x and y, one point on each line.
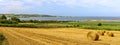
116	19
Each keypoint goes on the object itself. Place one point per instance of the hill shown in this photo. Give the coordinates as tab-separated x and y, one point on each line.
27	15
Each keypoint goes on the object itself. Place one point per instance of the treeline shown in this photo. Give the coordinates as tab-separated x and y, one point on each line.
27	15
37	21
12	20
35	26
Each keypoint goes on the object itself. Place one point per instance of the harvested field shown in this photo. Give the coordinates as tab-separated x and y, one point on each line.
55	36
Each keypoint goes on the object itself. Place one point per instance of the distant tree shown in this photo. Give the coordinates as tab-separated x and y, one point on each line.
15	19
3	17
8	22
31	21
99	24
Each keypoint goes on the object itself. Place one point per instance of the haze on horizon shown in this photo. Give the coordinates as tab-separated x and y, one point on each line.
62	7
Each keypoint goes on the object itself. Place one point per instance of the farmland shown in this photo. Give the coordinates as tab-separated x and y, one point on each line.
54	36
53	32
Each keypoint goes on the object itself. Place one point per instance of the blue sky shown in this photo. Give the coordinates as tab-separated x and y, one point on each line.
62	7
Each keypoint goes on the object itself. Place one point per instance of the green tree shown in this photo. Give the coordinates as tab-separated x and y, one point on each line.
8	22
99	24
15	19
3	17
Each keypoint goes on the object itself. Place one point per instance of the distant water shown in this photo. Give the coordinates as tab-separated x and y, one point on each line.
73	18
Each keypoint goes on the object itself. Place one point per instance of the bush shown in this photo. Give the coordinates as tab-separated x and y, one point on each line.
2	37
8	22
99	24
15	19
3	17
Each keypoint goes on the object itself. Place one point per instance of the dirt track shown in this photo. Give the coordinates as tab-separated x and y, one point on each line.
55	36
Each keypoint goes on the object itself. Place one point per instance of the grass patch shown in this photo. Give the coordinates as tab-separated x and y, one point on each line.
1	39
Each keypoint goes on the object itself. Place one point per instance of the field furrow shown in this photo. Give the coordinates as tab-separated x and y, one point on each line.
53	40
18	39
56	36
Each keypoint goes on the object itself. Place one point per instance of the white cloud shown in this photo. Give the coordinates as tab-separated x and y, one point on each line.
8	6
84	3
13	6
87	3
1	0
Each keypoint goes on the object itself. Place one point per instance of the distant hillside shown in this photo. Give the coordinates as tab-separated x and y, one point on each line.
27	15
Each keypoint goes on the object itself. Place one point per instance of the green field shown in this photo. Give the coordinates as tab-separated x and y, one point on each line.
94	25
68	24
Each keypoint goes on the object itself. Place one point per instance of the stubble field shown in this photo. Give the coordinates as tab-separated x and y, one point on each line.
55	36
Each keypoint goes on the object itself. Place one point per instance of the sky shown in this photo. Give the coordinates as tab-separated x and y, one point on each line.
62	7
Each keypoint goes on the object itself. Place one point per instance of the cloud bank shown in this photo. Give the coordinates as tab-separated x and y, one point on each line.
22	6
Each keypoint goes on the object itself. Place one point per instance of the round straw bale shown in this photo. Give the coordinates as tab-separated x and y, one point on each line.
110	34
101	33
92	36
